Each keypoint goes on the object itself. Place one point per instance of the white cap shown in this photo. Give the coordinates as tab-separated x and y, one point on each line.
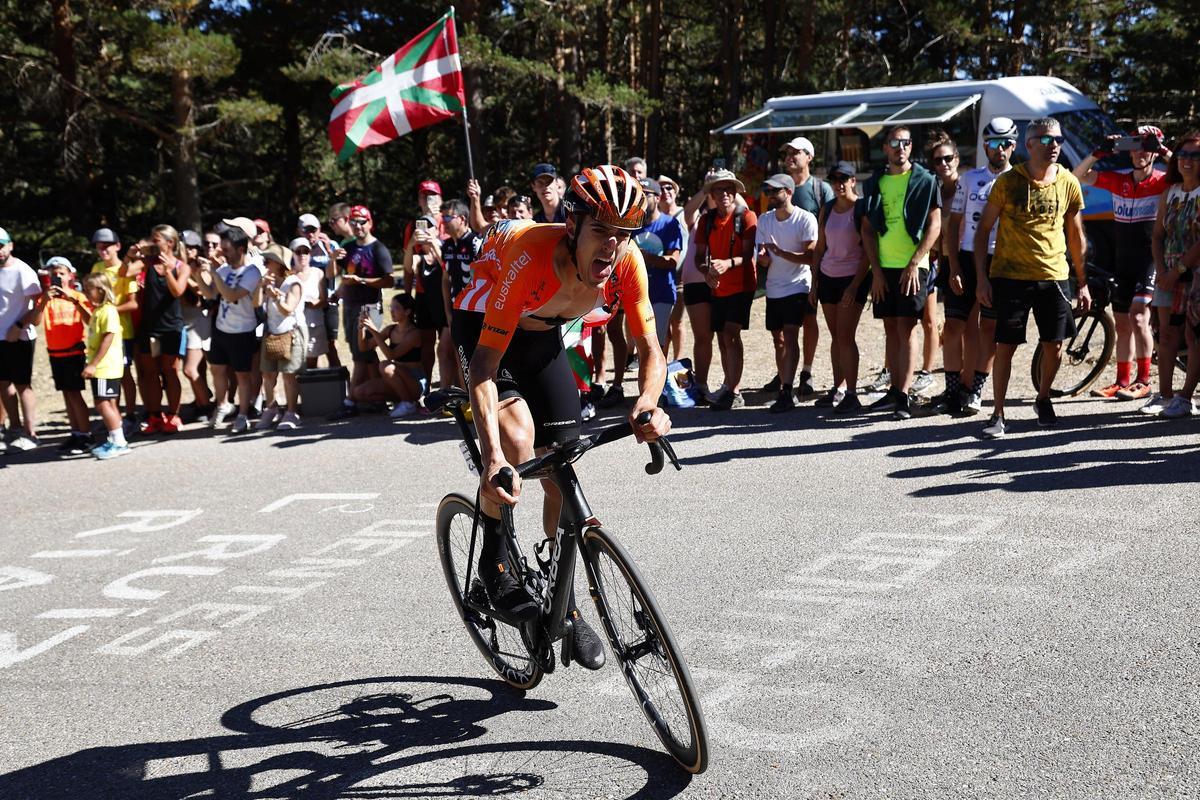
308	221
244	223
60	261
299	241
801	143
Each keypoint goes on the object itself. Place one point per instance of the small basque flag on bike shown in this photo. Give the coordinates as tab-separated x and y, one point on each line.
418	85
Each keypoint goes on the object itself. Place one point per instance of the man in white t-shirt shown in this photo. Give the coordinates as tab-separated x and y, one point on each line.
786	238
234	341
19	290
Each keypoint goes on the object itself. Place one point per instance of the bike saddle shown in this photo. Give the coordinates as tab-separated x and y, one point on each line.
446	398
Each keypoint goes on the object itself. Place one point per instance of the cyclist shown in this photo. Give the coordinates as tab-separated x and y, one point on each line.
1135	205
528	281
971	327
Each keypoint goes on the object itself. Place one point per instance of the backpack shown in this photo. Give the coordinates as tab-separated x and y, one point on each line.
710	218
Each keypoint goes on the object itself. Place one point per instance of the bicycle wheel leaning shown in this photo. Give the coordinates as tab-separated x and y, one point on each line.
646	649
1084	356
500	643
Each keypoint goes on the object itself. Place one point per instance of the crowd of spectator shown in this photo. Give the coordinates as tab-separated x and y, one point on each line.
244	315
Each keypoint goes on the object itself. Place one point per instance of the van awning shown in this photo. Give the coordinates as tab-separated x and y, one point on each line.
781	118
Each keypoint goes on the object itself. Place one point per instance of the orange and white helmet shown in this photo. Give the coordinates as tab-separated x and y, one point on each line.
610	194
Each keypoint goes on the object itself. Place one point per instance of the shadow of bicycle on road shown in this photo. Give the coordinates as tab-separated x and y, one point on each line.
393	737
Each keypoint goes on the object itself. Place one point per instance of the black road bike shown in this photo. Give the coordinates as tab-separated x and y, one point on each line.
1086	354
522	652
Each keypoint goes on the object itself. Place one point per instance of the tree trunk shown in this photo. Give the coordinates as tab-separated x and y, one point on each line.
1016	39
76	154
183	152
566	62
770	56
804	52
731	66
606	43
290	173
652	56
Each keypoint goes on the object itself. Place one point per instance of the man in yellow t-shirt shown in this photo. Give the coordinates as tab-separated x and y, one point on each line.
108	249
1037	206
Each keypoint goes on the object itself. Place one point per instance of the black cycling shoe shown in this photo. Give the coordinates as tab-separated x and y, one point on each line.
506	593
588	650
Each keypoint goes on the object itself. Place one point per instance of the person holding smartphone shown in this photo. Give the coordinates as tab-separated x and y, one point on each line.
63	312
368	273
160	339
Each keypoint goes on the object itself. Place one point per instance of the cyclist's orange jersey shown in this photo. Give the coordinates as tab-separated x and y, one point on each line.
514	277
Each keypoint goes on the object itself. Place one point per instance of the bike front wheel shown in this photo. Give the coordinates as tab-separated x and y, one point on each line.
500	643
1084	356
643	644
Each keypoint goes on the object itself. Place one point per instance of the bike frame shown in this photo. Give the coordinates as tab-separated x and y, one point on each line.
574	516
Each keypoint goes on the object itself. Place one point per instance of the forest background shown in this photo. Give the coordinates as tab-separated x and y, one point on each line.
132	113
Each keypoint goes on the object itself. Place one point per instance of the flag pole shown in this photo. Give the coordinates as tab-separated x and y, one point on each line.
466	122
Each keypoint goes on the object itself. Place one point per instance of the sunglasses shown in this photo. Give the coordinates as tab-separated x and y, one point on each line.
520	199
212	245
666	187
310	229
359	221
1188	155
999	144
1047	140
944	159
898	143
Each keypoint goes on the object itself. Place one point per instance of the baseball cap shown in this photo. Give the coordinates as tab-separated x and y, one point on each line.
308	221
718	176
780	181
801	143
360	212
650	186
245	224
105	236
262	225
429	187
4	237
298	242
59	261
543	169
843	168
191	239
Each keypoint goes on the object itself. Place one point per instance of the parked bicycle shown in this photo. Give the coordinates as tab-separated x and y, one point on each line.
522	652
1085	355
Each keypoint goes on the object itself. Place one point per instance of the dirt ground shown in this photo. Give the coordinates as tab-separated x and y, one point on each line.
760	365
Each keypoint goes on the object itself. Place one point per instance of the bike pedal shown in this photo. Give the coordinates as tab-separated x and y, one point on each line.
568	642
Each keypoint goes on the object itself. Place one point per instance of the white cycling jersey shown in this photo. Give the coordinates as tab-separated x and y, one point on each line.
970	197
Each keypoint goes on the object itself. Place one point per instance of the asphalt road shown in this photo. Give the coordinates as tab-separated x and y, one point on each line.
869	608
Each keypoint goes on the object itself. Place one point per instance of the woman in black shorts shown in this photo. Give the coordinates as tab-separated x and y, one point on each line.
841	285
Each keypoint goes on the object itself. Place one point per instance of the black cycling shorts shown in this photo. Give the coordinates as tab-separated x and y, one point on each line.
1013	300
534	368
1134	276
959	306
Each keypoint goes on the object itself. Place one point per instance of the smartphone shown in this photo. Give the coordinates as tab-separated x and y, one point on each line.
1127	143
422	224
56	280
718	163
155	347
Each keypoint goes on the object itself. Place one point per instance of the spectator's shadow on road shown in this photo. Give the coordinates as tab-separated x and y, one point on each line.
396	737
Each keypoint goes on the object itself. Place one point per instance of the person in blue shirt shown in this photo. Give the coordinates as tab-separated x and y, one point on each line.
661	243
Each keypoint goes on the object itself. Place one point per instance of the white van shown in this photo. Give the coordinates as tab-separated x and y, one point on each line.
849	125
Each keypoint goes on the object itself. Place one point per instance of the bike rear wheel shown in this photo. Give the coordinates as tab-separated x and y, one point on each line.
500	643
1084	357
643	644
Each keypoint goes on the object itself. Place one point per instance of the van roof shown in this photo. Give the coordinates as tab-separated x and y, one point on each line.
1038	94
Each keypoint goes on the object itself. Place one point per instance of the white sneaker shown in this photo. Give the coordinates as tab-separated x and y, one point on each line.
1179	406
23	442
290	422
223	411
240	425
270	416
403	409
1154	405
995	428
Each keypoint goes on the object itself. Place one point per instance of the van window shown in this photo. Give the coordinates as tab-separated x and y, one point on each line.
1083	130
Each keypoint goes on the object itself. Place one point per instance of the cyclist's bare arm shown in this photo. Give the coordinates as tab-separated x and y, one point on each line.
652	374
